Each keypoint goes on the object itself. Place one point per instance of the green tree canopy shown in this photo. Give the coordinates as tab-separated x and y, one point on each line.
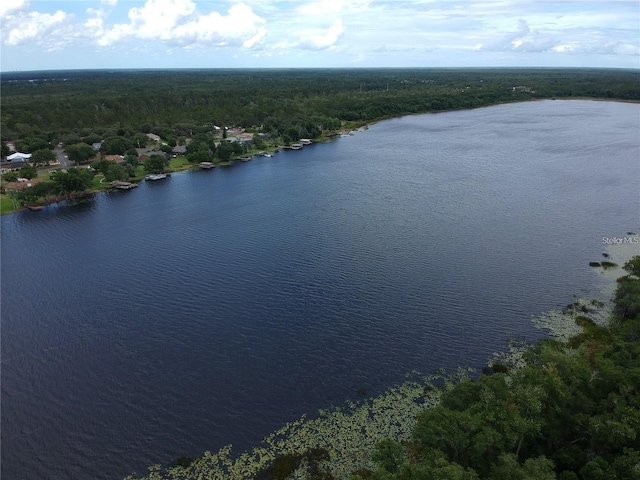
28	171
116	145
44	155
80	152
155	164
72	181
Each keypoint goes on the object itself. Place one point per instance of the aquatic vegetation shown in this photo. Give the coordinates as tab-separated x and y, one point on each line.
572	412
438	415
337	442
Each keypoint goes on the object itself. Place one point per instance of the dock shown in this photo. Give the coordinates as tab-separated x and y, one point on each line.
123	185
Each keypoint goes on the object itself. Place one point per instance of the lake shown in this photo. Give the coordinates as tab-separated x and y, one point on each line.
214	306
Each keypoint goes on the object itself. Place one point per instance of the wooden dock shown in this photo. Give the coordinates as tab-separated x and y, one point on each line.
123	185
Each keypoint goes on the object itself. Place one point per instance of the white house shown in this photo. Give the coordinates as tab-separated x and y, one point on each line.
19	157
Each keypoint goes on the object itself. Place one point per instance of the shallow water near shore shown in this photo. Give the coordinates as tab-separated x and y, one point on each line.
214	306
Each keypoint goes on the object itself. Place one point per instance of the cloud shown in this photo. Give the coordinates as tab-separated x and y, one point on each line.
155	20
321	7
523	40
602	46
316	40
177	22
10	7
32	26
383	32
240	27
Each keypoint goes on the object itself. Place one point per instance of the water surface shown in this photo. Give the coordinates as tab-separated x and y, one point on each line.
214	306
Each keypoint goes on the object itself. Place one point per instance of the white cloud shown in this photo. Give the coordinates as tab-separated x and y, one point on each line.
10	7
319	8
33	26
602	46
177	22
155	20
240	27
317	40
524	40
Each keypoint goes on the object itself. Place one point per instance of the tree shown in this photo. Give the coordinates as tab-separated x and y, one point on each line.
80	152
166	149
5	150
111	170
37	191
155	164
28	171
633	266
224	150
116	172
10	176
72	139
508	468
116	145
628	297
258	142
91	139
72	181
389	455
44	155
198	157
132	161
31	144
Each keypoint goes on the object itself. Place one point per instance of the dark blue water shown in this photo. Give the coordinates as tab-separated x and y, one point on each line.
214	306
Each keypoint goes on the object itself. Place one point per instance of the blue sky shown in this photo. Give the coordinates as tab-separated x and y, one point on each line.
43	35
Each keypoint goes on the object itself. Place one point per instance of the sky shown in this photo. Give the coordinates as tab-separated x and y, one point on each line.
112	34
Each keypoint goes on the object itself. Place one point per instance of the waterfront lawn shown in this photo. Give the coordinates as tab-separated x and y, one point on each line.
179	163
6	204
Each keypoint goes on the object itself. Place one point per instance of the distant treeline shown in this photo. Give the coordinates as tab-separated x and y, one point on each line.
299	102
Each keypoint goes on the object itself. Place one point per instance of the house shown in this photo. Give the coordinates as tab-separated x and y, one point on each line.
145	154
97	146
19	157
243	138
153	137
114	158
179	150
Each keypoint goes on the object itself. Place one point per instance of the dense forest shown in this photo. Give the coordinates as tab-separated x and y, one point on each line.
298	103
565	409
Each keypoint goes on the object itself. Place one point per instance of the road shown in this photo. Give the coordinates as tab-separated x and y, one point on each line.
62	158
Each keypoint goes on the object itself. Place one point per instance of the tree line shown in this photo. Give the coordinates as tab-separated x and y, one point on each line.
297	103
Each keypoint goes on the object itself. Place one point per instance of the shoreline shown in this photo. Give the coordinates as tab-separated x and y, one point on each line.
348	128
336	431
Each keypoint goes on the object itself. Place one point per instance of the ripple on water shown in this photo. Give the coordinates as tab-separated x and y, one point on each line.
210	309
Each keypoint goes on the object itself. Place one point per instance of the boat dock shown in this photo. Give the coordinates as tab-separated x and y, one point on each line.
123	185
